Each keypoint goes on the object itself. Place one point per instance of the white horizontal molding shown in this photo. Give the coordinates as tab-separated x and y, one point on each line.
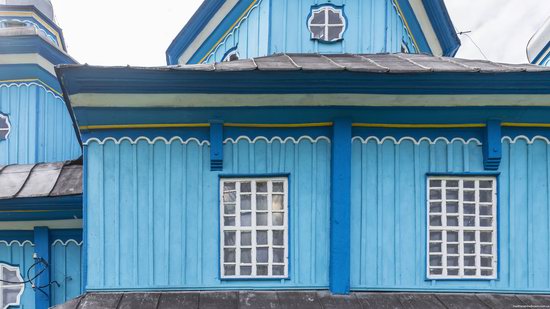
66	242
415	140
29	84
277	138
532	140
28	59
147	140
16	242
183	100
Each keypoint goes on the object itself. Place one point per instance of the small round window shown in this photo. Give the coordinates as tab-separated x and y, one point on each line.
4	126
327	23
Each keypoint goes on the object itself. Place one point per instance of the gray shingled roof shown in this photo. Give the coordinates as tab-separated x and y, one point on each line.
41	180
373	63
301	300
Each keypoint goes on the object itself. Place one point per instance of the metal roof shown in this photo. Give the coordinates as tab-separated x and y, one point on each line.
301	300
44	6
539	42
369	63
41	180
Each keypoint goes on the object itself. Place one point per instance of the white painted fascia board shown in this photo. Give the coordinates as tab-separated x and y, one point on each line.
28	59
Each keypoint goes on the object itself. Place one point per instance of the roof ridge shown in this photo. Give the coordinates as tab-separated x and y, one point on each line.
292	61
334	62
398	55
373	62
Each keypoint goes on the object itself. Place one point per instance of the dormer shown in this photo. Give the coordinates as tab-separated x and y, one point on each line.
224	30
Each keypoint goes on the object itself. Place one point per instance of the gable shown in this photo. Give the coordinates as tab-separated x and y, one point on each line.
221	26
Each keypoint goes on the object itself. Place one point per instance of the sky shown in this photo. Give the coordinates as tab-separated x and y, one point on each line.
137	32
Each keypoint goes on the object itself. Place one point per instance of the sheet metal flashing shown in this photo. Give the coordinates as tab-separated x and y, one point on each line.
41	180
302	300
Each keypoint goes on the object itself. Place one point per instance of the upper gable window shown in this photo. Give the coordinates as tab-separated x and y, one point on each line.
4	127
11	286
327	23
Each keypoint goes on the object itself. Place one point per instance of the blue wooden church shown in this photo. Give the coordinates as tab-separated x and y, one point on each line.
292	154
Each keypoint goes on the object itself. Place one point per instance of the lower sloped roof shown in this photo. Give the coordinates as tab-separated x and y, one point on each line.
302	300
41	180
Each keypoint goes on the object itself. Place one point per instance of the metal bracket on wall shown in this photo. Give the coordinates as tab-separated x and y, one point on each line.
492	145
216	146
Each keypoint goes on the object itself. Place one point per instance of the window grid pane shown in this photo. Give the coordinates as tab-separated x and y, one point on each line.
461	227
260	215
327	24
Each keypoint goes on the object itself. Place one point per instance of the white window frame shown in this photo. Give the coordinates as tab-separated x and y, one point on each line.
3	285
326	24
461	228
253	228
4	117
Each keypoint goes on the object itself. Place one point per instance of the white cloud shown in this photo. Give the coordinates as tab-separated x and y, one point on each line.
137	32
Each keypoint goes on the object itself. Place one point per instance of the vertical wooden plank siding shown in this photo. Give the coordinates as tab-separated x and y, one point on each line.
388	250
66	264
41	128
20	254
374	26
154	209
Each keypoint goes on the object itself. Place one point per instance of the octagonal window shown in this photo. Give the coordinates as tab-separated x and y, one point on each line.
4	126
11	286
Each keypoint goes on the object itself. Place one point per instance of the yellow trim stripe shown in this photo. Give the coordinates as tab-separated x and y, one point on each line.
419	126
40	20
400	12
525	125
282	125
229	30
312	125
30	80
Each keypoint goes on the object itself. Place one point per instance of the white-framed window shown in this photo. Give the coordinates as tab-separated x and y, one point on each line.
11	287
5	126
327	23
254	227
462	230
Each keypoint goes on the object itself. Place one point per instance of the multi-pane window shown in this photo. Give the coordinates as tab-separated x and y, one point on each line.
462	227
327	23
11	287
4	126
254	233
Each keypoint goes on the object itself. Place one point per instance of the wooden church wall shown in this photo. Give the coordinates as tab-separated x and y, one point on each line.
41	128
389	212
153	206
279	26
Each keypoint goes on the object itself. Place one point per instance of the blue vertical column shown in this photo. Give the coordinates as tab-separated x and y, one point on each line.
216	146
340	208
42	251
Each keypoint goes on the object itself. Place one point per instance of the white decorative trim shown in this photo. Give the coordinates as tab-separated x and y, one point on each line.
28	84
232	33
49	36
276	138
415	141
20	244
144	138
17	271
525	138
65	243
8	124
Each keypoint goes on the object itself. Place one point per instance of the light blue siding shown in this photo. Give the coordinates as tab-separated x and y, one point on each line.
20	254
280	26
66	269
41	128
389	209
154	211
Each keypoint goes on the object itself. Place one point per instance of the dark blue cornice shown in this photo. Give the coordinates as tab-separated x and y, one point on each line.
47	208
85	79
27	44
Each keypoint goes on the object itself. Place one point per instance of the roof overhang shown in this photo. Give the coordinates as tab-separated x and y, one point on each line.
538	48
427	19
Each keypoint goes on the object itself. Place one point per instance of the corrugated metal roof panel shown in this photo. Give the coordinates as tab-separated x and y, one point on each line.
302	300
41	180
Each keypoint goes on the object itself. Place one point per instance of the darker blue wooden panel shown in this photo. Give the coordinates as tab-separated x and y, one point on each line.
42	250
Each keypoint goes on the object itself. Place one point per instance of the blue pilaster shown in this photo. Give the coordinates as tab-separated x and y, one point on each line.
492	145
340	208
42	251
216	146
